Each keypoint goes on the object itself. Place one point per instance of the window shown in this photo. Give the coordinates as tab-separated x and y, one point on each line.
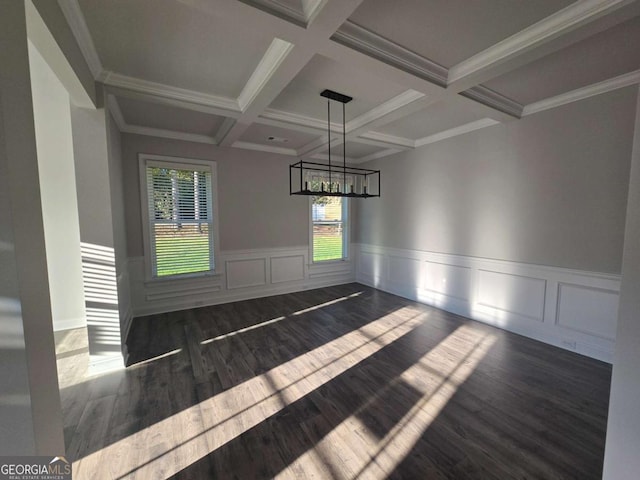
179	216
329	228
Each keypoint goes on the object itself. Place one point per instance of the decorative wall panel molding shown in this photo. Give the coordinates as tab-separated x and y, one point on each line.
248	274
586	309
571	309
243	273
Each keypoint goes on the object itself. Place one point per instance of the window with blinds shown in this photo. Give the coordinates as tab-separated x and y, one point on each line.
329	228
179	200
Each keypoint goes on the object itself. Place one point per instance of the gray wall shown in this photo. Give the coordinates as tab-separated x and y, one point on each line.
549	189
623	429
254	205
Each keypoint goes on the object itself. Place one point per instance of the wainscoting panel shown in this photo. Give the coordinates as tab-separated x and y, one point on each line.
571	309
250	272
287	268
515	294
451	280
406	270
247	274
587	310
372	264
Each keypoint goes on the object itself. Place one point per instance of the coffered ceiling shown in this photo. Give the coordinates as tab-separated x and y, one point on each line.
248	74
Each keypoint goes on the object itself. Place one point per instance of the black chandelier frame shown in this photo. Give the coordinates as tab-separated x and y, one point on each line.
365	183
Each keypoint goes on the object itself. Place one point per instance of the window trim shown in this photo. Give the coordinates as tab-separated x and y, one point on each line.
146	159
346	232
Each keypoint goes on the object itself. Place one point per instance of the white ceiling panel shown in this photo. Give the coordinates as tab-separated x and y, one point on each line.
285	138
435	118
165	117
608	54
175	43
302	95
354	150
449	31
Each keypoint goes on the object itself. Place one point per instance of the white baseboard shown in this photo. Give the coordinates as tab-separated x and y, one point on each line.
69	324
570	309
100	364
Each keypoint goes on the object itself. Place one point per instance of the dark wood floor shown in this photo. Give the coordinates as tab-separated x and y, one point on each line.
343	382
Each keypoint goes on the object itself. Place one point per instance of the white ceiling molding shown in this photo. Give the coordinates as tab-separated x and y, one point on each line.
227	124
75	19
358	38
333	14
311	8
318	145
376	155
559	23
273	57
615	83
279	9
170	134
385	139
493	99
114	107
399	101
454	132
166	91
293	119
325	157
265	148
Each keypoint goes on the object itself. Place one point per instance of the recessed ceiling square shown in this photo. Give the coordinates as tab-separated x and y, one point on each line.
354	150
600	57
302	95
449	31
189	45
435	118
165	117
259	133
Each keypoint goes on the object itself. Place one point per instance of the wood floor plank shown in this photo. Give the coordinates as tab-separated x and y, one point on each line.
342	382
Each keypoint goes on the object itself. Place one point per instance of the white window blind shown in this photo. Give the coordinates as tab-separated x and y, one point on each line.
329	228
180	219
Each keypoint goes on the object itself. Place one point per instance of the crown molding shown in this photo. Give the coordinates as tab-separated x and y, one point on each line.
386	140
227	125
454	132
376	155
273	57
297	119
166	91
279	9
399	101
311	8
359	38
488	97
114	107
170	134
615	83
325	158
78	25
265	148
546	29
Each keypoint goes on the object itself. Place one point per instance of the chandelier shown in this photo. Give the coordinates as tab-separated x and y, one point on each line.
333	180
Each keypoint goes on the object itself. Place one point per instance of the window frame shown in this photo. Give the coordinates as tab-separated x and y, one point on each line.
346	234
179	163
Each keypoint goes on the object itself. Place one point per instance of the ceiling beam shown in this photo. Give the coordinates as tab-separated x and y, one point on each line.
521	47
327	19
